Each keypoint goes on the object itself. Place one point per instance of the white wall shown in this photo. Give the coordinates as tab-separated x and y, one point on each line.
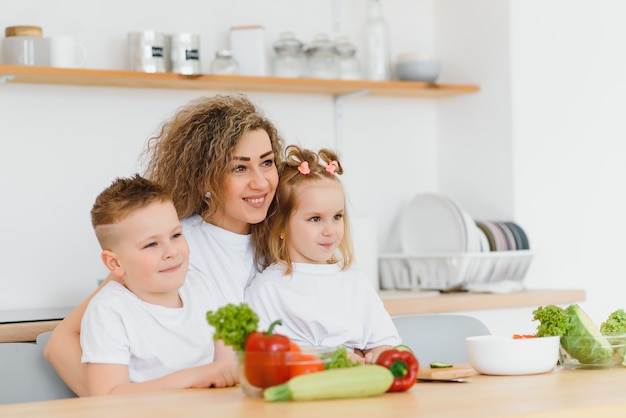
61	145
540	143
569	95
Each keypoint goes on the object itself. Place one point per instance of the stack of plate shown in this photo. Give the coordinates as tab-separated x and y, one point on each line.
442	247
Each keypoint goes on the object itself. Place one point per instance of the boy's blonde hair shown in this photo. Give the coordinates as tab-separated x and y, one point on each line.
290	179
123	197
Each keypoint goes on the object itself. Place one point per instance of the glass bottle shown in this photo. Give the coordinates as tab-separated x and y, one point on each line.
224	63
289	60
377	44
321	58
348	66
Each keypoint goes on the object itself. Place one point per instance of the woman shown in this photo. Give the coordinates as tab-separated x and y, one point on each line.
217	157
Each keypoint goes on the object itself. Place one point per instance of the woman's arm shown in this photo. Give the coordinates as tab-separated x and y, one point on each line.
63	349
106	379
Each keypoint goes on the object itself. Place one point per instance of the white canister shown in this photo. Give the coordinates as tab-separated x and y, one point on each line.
247	44
65	52
147	51
24	45
185	53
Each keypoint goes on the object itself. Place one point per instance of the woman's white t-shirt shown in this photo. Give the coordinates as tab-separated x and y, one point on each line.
224	256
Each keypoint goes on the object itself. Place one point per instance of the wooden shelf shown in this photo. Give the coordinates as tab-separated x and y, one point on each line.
135	79
406	302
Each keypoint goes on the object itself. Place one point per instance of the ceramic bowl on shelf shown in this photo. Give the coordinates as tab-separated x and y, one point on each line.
259	370
592	352
416	67
502	355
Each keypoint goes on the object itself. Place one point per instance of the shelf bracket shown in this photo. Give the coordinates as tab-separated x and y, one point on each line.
6	78
338	114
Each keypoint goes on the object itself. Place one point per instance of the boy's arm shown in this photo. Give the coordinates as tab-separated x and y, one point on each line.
63	348
105	379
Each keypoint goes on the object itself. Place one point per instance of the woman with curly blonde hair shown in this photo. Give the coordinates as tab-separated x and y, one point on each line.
217	157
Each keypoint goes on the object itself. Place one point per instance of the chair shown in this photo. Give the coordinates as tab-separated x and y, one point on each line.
438	338
26	376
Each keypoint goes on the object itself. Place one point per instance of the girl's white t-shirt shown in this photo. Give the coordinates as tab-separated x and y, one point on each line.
320	305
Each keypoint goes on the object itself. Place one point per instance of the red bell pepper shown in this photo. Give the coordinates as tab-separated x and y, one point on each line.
403	365
265	358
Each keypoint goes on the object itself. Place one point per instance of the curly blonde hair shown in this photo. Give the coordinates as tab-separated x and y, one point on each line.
290	179
191	153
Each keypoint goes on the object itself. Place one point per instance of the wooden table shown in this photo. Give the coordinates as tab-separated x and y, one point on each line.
560	393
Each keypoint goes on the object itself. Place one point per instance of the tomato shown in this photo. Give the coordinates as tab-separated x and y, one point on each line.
520	336
304	364
294	347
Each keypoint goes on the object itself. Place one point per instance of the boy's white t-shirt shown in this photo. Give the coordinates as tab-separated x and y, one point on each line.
224	256
320	305
153	340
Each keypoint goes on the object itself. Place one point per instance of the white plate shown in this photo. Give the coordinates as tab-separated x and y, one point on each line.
432	223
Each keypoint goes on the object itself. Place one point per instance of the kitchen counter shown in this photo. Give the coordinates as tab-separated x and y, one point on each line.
407	302
25	325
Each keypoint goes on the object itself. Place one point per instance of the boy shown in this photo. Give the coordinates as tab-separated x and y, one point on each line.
147	330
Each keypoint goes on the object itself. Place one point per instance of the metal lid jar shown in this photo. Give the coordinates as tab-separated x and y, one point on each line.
321	58
289	60
224	63
348	66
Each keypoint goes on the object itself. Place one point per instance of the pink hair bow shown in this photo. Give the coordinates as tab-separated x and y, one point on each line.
331	167
304	168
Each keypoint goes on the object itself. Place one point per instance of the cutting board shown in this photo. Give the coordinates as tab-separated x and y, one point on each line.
444	373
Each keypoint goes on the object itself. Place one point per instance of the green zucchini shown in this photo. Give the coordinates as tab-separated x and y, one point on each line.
351	382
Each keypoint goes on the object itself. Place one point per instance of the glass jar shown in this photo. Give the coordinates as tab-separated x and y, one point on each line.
321	58
289	60
224	63
348	66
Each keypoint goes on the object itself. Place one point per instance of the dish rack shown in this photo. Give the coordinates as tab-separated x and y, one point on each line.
451	271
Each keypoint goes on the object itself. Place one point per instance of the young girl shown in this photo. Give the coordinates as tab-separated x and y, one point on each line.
311	285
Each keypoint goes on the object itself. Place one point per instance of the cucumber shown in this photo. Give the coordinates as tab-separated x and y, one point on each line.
439	365
352	382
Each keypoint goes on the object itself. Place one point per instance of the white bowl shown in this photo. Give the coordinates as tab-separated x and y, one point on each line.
499	355
414	67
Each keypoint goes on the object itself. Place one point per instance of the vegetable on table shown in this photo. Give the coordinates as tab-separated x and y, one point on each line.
265	358
352	382
614	324
302	363
233	324
340	359
579	336
440	365
403	365
523	336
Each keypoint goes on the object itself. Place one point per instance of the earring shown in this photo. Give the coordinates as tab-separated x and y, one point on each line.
282	236
207	195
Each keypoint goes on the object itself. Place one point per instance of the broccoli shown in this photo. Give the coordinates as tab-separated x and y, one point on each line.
233	324
615	323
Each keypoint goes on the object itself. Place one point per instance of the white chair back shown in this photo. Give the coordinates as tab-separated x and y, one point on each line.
438	337
26	376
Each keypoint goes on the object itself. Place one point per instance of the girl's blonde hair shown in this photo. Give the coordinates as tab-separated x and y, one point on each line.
191	153
324	164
